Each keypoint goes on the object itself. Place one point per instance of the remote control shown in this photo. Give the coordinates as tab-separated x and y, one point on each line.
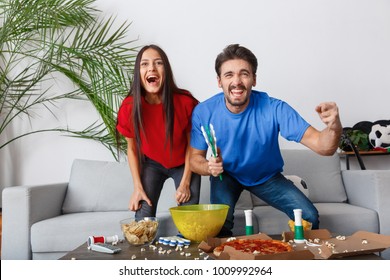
104	248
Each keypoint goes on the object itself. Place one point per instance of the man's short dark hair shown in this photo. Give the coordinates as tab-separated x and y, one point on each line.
235	51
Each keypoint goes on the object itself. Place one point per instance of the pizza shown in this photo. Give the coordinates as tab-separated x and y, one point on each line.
255	246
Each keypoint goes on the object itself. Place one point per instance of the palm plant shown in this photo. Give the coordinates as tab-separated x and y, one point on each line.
42	41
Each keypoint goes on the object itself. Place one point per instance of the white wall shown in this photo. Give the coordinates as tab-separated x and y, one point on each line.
309	51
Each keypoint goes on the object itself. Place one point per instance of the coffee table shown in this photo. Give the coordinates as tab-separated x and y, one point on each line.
129	252
191	252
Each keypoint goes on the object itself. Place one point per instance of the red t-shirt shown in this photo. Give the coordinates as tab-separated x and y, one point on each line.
153	144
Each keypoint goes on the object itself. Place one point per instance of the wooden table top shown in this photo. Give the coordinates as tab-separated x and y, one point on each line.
129	252
191	252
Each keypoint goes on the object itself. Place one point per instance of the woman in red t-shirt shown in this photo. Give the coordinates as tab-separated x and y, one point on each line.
155	119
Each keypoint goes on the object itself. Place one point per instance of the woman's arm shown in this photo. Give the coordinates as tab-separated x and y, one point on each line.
138	193
183	192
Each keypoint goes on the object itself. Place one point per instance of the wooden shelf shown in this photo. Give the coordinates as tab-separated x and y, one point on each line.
362	154
365	153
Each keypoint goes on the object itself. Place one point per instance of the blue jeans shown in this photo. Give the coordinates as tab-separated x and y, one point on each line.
153	177
278	192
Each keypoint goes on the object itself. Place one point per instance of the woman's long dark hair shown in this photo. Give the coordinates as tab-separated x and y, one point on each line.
169	87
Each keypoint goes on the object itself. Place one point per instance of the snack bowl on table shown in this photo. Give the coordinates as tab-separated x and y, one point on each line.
140	231
199	221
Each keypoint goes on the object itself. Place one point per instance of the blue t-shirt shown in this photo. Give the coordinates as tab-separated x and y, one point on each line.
248	141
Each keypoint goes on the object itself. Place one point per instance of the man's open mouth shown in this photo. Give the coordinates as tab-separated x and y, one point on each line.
237	90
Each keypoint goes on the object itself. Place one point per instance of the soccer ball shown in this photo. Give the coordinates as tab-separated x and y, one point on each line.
379	136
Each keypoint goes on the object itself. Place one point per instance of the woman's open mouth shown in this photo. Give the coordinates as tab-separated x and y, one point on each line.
152	80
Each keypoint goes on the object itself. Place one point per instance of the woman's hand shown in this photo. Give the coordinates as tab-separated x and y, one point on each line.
137	196
183	193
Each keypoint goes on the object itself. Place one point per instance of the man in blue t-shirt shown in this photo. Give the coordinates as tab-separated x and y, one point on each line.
248	123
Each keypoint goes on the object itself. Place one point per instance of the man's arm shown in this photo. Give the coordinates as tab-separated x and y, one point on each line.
325	142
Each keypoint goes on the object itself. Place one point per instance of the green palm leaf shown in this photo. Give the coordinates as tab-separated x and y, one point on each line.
44	39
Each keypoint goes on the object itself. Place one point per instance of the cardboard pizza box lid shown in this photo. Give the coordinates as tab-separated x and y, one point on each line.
359	243
328	247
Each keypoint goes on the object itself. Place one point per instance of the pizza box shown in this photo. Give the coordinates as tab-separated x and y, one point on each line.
324	246
230	253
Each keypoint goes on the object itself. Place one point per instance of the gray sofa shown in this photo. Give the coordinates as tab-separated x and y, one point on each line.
47	221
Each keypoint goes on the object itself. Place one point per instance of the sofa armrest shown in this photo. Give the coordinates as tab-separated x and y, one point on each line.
23	206
370	189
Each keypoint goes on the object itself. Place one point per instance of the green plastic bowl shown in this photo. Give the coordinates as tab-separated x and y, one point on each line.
199	221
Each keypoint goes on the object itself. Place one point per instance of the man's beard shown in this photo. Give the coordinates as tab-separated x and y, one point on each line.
236	103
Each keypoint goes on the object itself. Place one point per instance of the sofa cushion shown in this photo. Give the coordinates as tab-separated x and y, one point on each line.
322	174
244	201
349	218
98	186
333	216
271	220
66	232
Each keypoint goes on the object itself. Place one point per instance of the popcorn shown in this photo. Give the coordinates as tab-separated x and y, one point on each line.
330	244
340	237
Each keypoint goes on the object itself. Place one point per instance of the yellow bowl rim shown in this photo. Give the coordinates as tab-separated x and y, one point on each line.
182	207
